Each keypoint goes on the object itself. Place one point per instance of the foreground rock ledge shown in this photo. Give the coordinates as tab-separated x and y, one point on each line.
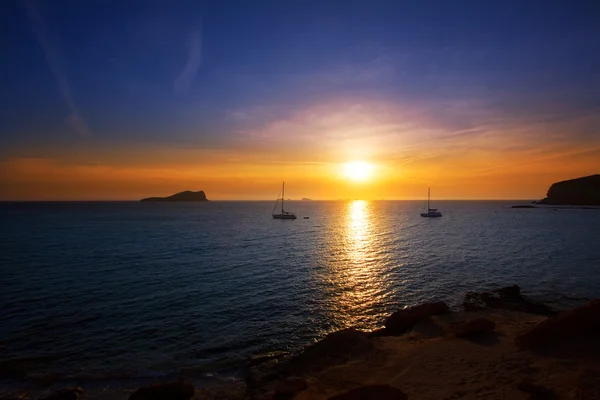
581	322
165	391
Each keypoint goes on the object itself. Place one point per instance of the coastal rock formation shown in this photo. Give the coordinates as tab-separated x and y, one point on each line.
507	298
335	348
165	391
289	387
369	392
474	327
576	192
580	322
402	320
70	393
181	196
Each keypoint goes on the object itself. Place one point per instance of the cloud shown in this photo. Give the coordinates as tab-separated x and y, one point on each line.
38	26
185	78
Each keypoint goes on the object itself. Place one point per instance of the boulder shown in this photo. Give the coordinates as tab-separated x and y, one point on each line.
474	327
583	321
335	348
70	393
372	392
165	391
402	320
289	387
507	298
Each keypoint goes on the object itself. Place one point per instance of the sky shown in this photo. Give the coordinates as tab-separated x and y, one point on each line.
119	100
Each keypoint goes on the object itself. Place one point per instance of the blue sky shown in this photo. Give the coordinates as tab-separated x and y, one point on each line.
204	73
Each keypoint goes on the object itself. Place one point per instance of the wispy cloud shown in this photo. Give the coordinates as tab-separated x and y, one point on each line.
186	77
38	26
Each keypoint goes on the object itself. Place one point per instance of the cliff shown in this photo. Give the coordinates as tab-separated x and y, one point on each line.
181	196
575	192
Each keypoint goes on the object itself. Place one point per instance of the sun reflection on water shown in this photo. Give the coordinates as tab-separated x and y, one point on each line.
360	285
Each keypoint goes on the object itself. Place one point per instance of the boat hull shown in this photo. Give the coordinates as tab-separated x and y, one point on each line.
431	214
284	216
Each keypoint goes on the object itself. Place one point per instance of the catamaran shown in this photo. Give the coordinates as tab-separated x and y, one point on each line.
284	214
431	212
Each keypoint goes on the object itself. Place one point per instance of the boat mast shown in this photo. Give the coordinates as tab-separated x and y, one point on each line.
282	196
428	196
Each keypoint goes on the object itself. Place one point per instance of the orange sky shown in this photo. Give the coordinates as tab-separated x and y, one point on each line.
308	151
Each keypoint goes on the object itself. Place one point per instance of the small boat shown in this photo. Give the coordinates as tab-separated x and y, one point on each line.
431	212
284	214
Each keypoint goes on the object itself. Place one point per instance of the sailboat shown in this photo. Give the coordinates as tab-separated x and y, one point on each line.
431	212
283	214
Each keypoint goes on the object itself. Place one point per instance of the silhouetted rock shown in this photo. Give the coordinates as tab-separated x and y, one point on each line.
335	348
578	192
402	320
372	392
537	392
261	373
288	388
70	393
165	391
579	322
507	298
474	327
181	196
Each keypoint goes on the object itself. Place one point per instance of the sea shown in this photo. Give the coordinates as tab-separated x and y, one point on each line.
132	289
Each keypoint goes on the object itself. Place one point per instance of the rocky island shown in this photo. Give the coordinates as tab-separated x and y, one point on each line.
181	196
583	191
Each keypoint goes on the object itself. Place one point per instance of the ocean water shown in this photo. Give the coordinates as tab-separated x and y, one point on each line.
155	288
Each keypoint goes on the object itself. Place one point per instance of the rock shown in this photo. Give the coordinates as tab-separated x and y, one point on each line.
580	191
165	391
372	392
474	327
289	387
70	393
181	196
588	386
400	321
507	298
579	322
261	377
537	392
335	348
264	357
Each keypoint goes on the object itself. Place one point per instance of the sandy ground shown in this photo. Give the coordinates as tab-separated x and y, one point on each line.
431	363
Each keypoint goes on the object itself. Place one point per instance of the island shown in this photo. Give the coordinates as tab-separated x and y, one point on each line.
188	195
305	199
583	191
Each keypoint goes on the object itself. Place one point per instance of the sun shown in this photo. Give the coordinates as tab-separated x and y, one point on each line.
358	170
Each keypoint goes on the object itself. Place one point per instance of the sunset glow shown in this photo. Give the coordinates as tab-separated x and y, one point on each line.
368	113
358	170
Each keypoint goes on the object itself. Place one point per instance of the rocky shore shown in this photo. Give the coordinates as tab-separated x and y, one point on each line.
502	345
